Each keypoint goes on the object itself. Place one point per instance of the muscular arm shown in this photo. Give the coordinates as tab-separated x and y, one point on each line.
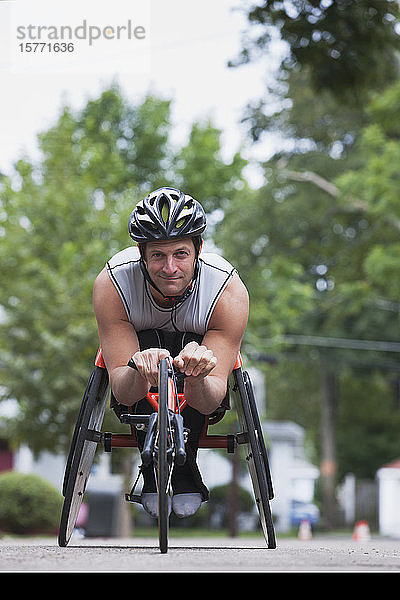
226	328
118	342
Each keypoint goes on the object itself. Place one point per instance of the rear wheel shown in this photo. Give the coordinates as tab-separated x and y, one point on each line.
82	452
256	456
259	432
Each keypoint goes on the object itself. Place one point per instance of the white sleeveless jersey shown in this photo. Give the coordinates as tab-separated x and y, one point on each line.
191	315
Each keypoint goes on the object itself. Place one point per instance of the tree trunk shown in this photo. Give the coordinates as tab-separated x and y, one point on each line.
328	442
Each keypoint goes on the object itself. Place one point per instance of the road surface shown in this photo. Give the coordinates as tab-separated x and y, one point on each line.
213	555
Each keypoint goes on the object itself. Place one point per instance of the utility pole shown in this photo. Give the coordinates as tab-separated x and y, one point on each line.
328	467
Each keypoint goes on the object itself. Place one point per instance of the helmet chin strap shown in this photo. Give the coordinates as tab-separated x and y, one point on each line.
175	299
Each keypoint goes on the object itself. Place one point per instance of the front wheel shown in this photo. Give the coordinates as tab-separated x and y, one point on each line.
163	466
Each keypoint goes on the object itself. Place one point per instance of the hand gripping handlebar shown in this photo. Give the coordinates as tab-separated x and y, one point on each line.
176	422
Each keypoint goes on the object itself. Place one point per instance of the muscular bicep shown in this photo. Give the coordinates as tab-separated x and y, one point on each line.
227	326
117	337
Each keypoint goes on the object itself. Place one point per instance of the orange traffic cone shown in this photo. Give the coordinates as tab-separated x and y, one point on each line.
361	532
305	530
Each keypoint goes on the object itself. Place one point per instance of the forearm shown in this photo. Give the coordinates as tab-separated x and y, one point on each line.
205	394
128	386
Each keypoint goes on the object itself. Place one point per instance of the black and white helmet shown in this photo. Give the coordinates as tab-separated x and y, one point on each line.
166	214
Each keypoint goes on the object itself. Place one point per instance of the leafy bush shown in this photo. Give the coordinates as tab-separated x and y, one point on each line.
28	504
220	497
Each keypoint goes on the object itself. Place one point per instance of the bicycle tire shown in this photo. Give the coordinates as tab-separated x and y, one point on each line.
259	431
162	457
77	428
82	452
254	458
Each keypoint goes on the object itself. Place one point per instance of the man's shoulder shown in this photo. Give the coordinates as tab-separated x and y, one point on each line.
124	257
216	261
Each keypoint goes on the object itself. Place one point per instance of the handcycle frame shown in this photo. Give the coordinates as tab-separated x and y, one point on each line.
87	435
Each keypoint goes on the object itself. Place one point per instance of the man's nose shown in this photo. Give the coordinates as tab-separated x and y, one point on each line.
169	265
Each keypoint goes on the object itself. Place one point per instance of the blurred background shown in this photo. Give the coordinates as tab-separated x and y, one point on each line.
282	119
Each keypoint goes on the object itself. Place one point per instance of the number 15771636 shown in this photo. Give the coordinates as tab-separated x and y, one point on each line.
46	47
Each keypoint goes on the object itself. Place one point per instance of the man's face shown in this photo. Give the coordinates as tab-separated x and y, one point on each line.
171	264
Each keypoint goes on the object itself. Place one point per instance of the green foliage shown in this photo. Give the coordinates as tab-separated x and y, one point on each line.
251	235
219	495
200	169
318	244
219	503
368	423
28	504
60	221
374	186
347	45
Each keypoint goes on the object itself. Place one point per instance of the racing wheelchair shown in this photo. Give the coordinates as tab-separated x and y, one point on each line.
164	444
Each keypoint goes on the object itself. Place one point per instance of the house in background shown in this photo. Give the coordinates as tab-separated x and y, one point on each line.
293	475
388	477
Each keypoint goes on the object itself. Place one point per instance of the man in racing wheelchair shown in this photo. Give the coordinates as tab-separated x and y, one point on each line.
164	297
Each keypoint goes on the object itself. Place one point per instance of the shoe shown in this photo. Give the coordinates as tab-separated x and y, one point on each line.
185	505
150	504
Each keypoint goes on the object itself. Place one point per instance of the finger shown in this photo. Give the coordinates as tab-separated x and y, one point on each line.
206	365
184	356
179	363
155	357
163	354
147	362
200	357
190	362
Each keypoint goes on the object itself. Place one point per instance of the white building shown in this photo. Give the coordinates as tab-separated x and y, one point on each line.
293	476
389	499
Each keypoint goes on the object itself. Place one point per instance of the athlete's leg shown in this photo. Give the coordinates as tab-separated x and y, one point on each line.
188	487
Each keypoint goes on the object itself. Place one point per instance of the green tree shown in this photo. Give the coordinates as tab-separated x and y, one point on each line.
373	190
348	46
317	241
309	249
60	220
199	168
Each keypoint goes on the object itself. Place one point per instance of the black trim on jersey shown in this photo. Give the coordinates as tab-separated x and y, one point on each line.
219	293
109	269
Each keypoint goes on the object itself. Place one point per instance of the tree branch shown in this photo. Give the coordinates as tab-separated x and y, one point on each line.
329	188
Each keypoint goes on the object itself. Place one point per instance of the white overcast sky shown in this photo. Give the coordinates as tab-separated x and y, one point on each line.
183	58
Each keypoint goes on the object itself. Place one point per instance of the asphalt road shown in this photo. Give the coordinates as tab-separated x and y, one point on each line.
212	555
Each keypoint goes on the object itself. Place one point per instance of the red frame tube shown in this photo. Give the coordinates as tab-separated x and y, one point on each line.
128	440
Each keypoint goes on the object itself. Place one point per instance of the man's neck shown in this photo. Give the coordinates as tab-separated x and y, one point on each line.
160	299
169	301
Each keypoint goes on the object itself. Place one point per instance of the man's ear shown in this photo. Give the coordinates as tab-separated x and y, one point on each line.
142	251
